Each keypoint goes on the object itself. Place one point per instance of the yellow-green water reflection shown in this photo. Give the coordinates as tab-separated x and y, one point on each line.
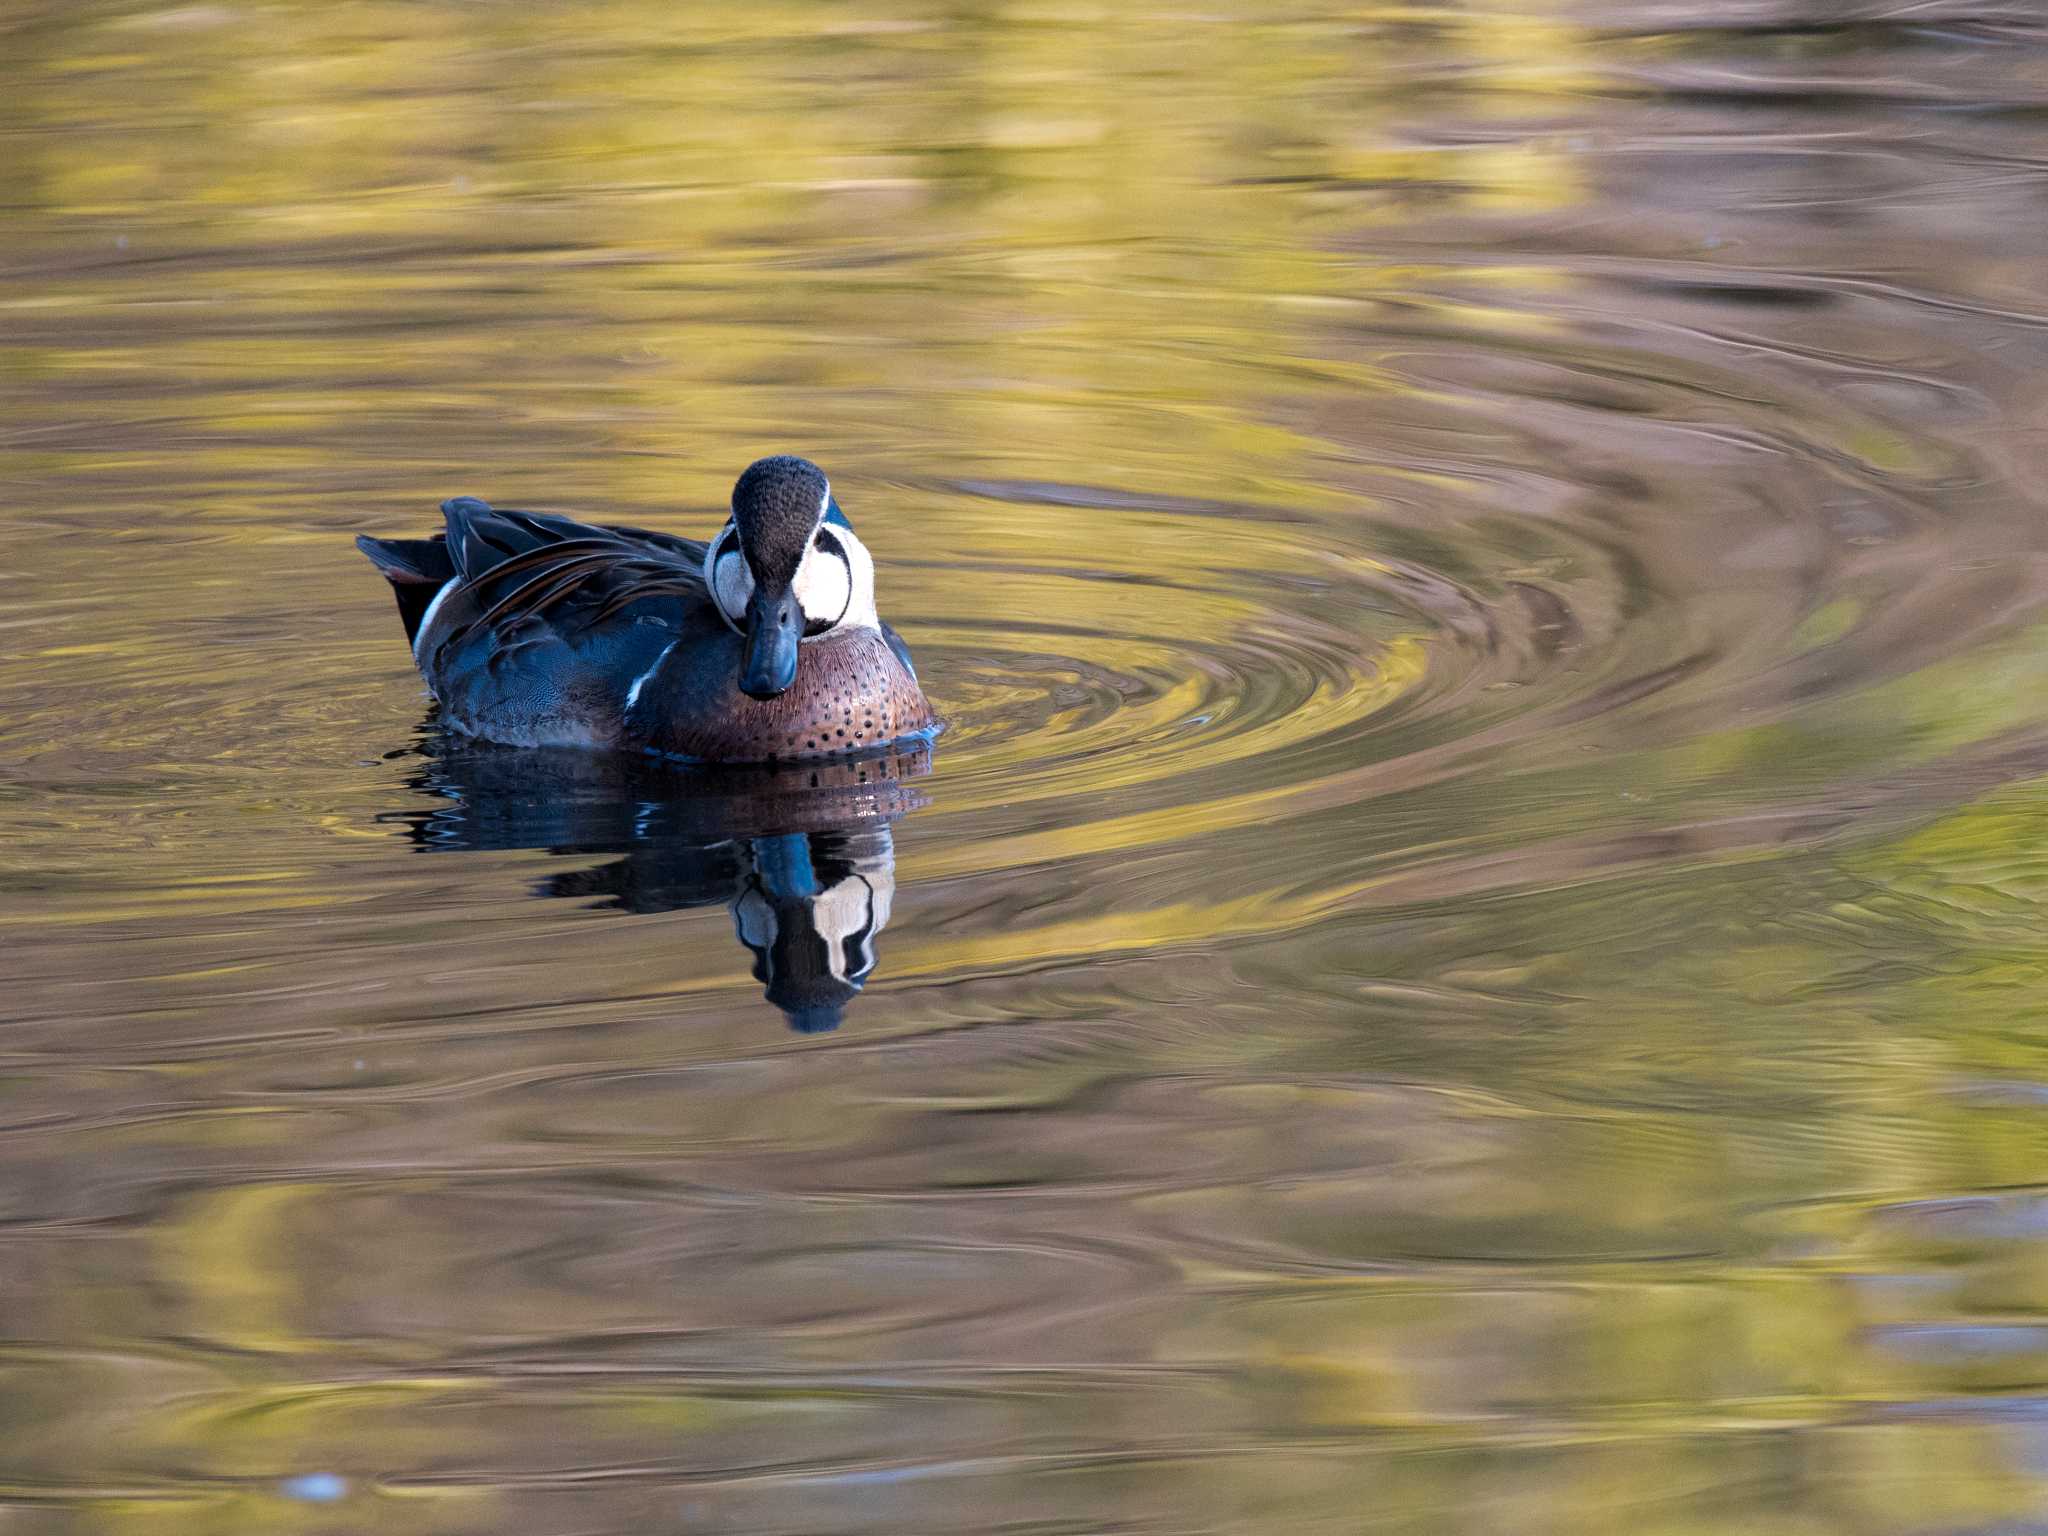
1473	962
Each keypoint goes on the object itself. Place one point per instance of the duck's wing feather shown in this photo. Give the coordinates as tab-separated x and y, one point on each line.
902	650
517	568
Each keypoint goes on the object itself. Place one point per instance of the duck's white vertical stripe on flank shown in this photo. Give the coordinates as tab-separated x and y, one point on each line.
633	693
427	618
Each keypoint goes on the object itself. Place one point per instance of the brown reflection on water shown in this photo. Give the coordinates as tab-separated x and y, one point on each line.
1474	956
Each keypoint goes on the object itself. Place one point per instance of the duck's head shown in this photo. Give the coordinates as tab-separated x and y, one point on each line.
810	908
786	569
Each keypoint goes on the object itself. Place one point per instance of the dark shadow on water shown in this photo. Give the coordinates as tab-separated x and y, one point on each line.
802	854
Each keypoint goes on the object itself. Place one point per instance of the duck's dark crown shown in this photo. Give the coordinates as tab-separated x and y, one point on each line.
776	504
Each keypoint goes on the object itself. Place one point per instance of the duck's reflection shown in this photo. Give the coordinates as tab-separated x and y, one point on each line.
803	855
809	907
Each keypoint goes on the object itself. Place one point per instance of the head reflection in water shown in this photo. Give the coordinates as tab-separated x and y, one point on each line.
809	909
803	858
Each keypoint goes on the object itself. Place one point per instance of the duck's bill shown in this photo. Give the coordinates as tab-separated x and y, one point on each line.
775	623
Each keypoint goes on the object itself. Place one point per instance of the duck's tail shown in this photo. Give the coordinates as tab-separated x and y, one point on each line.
416	568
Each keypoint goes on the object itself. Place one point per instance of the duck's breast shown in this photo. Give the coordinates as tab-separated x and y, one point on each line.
852	693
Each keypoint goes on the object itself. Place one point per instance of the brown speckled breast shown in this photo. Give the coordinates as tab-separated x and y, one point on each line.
851	694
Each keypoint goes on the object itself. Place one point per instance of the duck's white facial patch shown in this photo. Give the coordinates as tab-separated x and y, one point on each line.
727	575
824	582
848	916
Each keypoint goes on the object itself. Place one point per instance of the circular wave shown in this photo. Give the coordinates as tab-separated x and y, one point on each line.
1441	667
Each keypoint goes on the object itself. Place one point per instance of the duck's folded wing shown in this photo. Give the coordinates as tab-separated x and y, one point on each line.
902	650
515	569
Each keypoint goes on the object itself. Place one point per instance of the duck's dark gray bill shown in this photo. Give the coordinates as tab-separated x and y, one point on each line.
774	625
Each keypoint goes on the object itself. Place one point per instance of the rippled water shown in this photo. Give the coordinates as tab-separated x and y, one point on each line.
1471	959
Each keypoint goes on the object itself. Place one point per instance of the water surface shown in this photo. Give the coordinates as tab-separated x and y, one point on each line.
1471	959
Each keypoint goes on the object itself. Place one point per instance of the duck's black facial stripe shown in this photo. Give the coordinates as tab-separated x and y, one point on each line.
830	544
857	950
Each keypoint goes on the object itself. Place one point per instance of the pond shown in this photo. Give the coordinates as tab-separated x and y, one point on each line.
1471	957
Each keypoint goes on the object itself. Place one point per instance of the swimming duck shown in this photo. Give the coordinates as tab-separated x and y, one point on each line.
761	646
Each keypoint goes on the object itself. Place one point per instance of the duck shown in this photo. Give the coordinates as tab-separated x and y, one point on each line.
762	645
